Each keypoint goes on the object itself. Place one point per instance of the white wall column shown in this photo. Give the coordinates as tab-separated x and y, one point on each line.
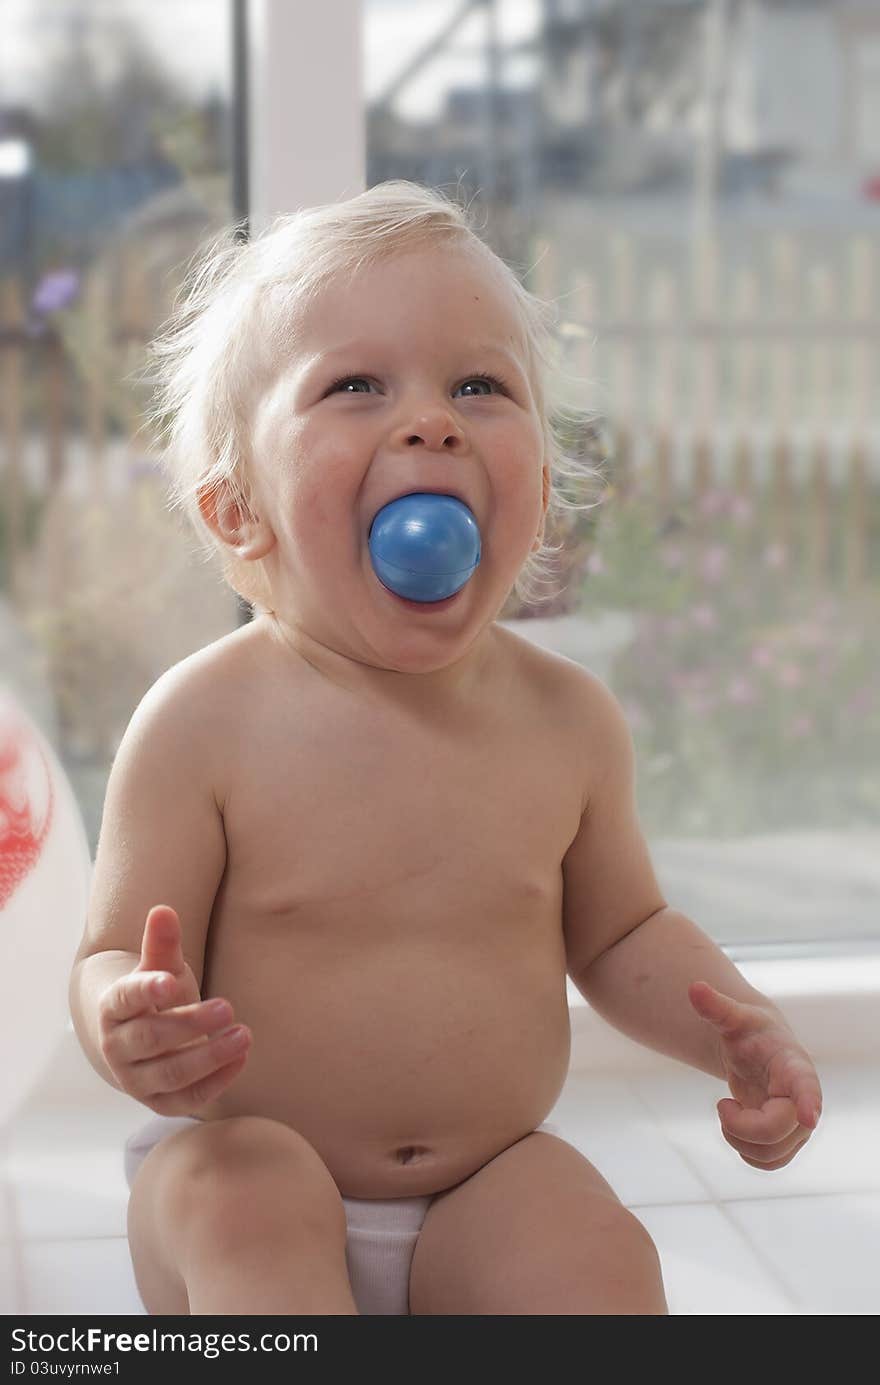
307	135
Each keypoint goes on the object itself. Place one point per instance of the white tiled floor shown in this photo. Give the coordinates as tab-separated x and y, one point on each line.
732	1240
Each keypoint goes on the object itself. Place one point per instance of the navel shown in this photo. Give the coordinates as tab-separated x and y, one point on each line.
411	1154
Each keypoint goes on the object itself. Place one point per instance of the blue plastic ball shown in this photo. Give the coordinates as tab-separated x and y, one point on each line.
424	547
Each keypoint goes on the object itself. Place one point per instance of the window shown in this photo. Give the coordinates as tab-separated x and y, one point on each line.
115	162
701	205
693	187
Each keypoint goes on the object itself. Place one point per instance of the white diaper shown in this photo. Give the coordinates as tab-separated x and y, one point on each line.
382	1235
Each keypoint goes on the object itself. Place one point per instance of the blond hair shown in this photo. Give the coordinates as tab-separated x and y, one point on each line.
234	314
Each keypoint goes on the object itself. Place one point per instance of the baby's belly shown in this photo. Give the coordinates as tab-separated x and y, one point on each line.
405	1073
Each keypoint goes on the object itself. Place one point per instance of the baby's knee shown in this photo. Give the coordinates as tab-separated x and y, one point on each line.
249	1176
633	1261
241	1145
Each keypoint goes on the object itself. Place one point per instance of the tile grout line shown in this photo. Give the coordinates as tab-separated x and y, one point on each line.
720	1203
711	1195
770	1199
792	1197
743	1239
767	1265
640	1101
72	1240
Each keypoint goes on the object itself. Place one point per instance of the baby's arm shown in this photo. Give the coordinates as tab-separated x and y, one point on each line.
629	954
652	973
162	842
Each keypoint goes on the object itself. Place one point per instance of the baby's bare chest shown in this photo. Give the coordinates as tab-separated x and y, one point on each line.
328	813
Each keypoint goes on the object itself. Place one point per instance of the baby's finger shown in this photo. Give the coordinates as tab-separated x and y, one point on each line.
807	1094
776	1163
760	1155
134	994
147	1036
774	1121
161	945
190	1099
175	1071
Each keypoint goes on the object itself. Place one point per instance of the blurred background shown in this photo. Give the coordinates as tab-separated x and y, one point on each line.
696	184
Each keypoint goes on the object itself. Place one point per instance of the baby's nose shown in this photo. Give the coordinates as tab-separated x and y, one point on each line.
437	430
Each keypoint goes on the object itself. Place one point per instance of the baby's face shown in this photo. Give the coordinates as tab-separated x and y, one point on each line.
411	338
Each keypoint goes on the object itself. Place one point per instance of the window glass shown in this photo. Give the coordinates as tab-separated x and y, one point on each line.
697	187
115	163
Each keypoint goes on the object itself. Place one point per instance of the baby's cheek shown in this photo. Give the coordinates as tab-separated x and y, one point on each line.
521	503
322	516
315	511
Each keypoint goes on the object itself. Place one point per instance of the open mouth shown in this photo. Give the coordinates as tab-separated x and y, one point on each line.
425	606
424	548
420	607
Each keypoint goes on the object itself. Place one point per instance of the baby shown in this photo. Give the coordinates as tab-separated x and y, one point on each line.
380	834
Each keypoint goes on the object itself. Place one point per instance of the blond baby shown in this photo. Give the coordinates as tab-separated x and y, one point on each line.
351	851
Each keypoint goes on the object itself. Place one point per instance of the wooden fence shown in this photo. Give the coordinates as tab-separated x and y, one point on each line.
766	374
763	378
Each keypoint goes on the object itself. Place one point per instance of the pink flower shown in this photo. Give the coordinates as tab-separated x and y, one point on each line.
789	676
761	656
811	636
700	704
712	503
635	714
860	702
801	726
595	565
742	510
775	555
827	610
672	556
704	617
714	563
741	691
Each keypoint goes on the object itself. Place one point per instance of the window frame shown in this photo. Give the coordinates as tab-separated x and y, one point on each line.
294	159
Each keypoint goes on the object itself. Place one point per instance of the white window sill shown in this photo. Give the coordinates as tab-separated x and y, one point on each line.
831	998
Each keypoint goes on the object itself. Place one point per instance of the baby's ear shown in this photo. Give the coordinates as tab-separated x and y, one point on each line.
230	517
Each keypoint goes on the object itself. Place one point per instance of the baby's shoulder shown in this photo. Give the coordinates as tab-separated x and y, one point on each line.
567	701
197	710
205	690
568	685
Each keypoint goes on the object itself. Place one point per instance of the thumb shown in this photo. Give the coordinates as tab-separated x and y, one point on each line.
720	1010
161	948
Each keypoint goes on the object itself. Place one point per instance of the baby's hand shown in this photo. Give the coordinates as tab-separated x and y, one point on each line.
778	1096
163	1044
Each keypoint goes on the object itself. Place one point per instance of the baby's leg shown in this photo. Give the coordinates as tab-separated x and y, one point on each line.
238	1216
535	1231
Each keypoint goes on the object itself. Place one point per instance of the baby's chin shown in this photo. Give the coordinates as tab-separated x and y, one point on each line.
374	628
418	636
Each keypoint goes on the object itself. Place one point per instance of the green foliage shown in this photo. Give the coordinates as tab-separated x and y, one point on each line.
750	683
32	507
100	84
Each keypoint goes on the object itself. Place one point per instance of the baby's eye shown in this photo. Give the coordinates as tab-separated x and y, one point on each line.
482	380
489	380
348	380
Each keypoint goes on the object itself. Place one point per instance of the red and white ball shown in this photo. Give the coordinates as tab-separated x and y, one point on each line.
45	873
